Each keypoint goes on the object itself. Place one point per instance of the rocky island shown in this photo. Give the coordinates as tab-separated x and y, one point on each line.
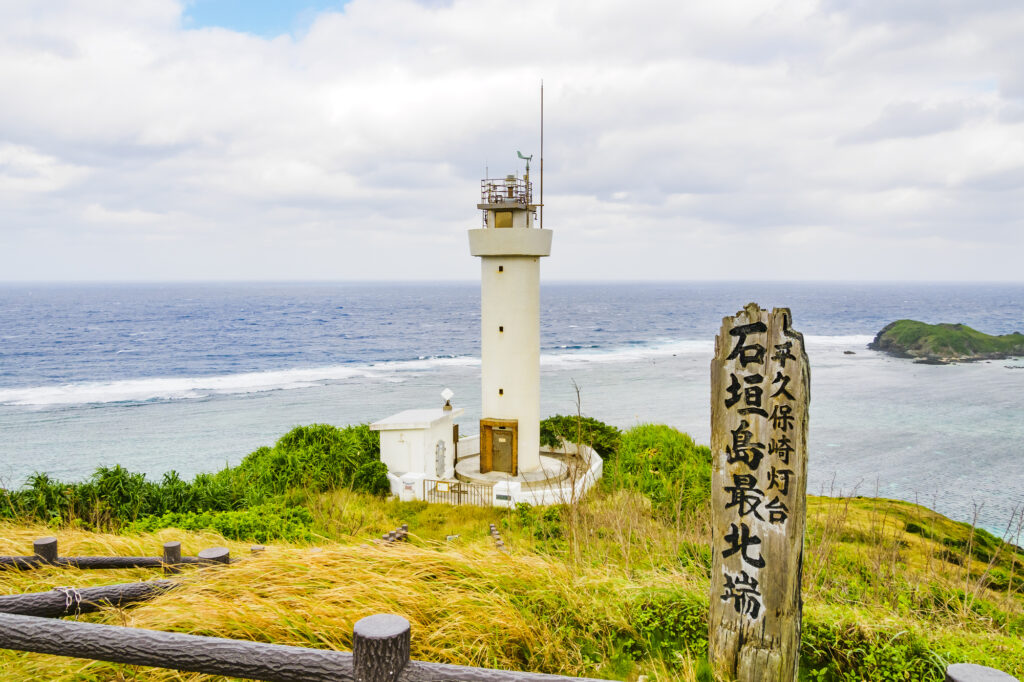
945	343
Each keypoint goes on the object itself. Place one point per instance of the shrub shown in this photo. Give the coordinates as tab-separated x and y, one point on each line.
263	523
571	429
317	458
372	477
543	523
835	651
671	621
665	465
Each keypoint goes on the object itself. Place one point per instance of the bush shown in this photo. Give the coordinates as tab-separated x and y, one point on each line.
263	523
571	429
316	458
547	525
849	652
665	465
372	477
671	621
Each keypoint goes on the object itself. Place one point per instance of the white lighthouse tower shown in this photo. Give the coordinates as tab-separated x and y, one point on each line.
510	249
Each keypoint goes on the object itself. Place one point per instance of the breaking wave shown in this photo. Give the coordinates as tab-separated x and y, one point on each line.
201	387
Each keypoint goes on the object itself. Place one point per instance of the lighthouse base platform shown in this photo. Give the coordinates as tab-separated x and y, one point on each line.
552	470
564	476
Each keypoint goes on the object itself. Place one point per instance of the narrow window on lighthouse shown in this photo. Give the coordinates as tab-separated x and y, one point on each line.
501	268
501	391
501	329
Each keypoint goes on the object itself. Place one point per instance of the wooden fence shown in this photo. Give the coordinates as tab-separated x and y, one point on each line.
44	553
69	601
380	653
380	643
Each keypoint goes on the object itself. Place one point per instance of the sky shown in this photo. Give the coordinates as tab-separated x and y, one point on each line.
169	140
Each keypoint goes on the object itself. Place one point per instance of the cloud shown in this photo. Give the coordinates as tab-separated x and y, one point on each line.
25	171
912	119
354	149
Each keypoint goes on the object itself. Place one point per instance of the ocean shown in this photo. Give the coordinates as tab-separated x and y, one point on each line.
192	377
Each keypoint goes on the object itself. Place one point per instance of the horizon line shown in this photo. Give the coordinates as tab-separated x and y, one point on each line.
72	282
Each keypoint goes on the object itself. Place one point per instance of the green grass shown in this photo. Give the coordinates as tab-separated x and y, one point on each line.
945	340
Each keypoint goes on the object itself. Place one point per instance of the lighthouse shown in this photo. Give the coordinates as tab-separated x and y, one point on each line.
510	249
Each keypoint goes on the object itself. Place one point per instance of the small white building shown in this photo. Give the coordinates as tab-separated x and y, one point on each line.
416	445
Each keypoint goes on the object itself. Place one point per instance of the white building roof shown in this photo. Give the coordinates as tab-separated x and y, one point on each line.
415	419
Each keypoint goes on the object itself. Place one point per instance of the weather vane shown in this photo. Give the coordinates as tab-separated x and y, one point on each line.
527	159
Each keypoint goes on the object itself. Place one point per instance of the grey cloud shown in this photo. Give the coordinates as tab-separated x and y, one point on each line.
911	119
1009	180
916	11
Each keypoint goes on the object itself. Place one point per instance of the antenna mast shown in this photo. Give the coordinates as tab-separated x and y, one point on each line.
542	154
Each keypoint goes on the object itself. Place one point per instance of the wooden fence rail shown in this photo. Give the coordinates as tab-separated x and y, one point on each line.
44	553
68	601
380	653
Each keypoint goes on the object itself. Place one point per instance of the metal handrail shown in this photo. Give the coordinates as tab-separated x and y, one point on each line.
512	190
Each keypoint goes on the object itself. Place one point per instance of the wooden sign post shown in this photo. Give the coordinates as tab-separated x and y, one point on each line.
760	388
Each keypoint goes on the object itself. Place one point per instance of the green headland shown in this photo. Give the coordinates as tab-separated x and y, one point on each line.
945	343
613	586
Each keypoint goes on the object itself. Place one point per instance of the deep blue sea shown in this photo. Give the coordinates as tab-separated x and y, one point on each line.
194	376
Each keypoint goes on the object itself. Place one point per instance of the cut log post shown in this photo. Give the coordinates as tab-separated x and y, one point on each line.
215	555
45	549
380	648
172	553
67	601
172	557
760	389
969	672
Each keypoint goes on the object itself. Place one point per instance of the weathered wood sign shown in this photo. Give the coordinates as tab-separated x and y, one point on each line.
760	388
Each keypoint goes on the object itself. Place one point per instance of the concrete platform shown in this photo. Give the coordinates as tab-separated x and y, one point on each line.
552	471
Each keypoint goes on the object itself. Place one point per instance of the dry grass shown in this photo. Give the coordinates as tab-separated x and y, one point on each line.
468	605
551	605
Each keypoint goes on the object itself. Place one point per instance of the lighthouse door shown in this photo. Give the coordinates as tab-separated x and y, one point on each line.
499	447
503	449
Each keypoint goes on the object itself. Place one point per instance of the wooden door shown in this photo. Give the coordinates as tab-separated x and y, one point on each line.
499	445
501	438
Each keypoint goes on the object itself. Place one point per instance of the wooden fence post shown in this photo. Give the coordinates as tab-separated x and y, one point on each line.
380	648
46	549
172	557
760	389
215	555
969	672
